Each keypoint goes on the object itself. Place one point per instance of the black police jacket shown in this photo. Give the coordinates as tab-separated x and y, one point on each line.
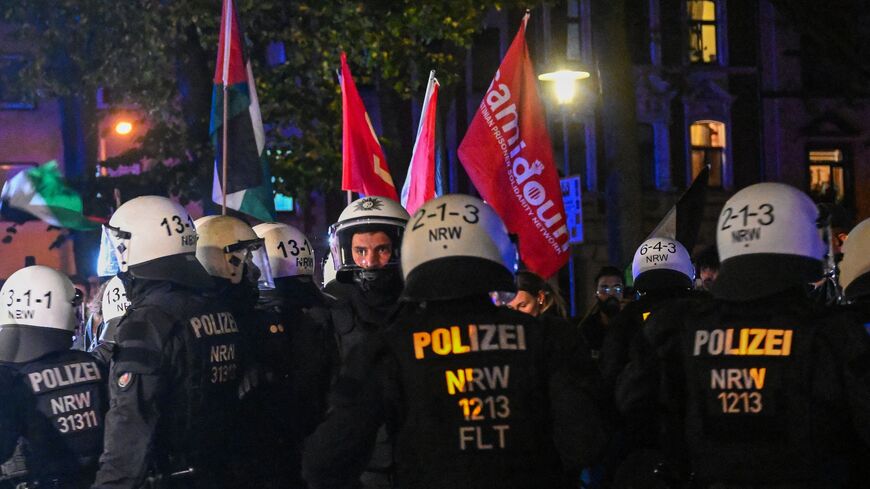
755	393
477	396
8	410
174	388
60	401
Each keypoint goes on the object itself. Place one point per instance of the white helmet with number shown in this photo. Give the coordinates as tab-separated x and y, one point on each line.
457	246
226	244
38	308
366	215
114	300
290	254
768	242
152	237
662	263
855	267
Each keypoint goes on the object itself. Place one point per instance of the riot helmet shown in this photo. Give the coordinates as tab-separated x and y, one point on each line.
37	314
228	248
768	242
288	249
855	267
662	263
114	306
154	238
457	246
366	240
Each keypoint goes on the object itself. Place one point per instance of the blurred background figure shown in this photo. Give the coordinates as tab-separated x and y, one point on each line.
707	266
536	297
609	287
88	335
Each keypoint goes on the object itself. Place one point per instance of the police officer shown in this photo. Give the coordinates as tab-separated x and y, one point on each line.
304	309
855	269
233	254
114	305
477	394
663	272
174	377
365	245
751	389
59	396
8	435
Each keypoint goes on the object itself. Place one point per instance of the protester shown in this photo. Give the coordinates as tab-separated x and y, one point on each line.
535	296
609	288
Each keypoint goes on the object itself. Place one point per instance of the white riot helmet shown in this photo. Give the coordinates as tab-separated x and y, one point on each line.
152	237
328	271
855	267
290	254
38	308
226	245
662	263
457	246
768	242
114	306
366	215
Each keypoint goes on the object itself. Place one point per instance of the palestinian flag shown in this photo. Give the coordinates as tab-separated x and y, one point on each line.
41	193
249	183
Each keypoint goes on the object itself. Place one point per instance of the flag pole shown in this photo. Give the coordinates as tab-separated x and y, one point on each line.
226	68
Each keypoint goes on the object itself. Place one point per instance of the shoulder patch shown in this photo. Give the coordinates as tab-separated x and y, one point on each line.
125	380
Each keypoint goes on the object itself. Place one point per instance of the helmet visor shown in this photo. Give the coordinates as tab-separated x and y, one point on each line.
107	260
258	265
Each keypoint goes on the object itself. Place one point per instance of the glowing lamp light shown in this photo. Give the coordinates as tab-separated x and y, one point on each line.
123	128
564	83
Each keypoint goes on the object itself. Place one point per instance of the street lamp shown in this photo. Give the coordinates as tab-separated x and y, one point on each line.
565	85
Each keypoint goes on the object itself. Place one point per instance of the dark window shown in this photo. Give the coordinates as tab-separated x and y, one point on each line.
646	143
12	95
637	27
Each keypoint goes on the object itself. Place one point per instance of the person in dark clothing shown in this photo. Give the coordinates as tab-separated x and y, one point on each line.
58	396
365	246
477	396
174	378
236	258
609	287
759	387
8	410
663	272
707	267
302	358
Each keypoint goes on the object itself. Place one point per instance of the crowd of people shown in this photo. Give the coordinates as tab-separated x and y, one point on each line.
427	359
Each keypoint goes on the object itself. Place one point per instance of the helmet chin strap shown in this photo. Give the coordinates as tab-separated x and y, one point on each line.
375	279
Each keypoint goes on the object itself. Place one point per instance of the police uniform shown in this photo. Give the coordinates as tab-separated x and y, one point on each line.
174	390
755	388
174	375
62	401
477	396
8	435
58	395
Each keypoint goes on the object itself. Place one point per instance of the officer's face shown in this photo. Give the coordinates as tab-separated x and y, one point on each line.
609	286
708	276
528	303
371	250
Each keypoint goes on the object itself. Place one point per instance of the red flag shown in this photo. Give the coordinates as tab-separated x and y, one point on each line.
420	182
509	157
364	165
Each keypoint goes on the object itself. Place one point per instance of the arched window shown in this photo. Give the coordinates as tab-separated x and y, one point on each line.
702	31
708	148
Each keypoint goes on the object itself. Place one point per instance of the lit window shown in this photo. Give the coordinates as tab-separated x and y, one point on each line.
827	176
708	148
702	31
